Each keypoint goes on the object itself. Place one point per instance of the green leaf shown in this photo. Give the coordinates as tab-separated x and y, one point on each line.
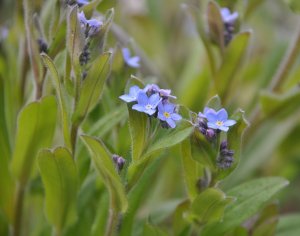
75	36
61	95
89	8
251	196
209	206
180	225
35	131
232	62
294	5
59	175
92	87
215	24
103	162
169	139
150	230
288	225
192	170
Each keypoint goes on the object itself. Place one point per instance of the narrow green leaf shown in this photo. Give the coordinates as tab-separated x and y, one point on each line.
61	94
150	230
75	36
251	196
192	171
90	7
180	225
92	86
209	206
215	23
233	56
35	131
103	162
288	225
59	175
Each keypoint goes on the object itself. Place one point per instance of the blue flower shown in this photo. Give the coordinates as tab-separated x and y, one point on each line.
206	110
130	61
153	88
90	27
166	112
227	16
147	104
132	96
219	120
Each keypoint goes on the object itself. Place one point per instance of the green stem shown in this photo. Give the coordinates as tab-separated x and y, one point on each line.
112	223
18	212
74	133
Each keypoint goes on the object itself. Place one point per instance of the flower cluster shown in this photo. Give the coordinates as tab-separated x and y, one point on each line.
225	158
229	20
154	101
131	61
89	27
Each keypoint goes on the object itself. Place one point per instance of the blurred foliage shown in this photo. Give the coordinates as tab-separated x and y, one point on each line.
61	119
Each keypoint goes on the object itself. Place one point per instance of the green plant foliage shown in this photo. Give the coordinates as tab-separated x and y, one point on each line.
288	225
104	165
35	131
59	175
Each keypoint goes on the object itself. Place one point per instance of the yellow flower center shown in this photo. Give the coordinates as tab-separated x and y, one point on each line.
167	114
219	123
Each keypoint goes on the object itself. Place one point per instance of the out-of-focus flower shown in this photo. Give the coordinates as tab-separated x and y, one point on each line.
227	16
90	27
219	120
132	95
147	104
119	161
166	112
133	62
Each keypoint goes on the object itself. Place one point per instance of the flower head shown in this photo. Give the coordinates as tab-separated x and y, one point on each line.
147	104
227	16
219	120
166	112
132	96
133	62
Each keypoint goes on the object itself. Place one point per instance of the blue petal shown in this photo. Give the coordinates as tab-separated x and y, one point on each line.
134	62
229	122
169	107
208	109
134	90
154	100
161	108
171	123
224	128
161	116
176	116
211	116
150	111
138	107
222	115
127	98
142	98
126	54
94	23
212	125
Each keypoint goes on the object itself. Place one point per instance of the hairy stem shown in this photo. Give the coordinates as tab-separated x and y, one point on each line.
112	223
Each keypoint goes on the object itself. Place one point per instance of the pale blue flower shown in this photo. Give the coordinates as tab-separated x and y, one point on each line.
132	95
218	120
206	110
90	27
166	112
147	104
227	16
133	62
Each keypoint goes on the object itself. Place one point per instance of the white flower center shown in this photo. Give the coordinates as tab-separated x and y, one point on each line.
219	123
148	106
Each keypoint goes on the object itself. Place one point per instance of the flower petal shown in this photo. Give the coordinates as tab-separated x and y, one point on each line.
222	115
127	98
126	54
229	122
212	125
169	107
154	99
161	116
171	123
138	107
211	116
176	116
134	62
150	111
223	128
142	98
134	90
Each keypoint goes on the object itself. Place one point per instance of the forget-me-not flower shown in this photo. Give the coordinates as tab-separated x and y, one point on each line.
219	120
166	112
147	104
206	110
133	62
90	27
227	16
132	95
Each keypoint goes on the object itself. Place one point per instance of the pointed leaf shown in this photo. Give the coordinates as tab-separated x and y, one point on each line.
251	196
103	162
35	131
92	86
59	175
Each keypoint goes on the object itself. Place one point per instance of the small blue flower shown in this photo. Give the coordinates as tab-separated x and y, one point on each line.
153	88
227	16
166	112
82	19
147	104
90	27
133	62
132	96
219	120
